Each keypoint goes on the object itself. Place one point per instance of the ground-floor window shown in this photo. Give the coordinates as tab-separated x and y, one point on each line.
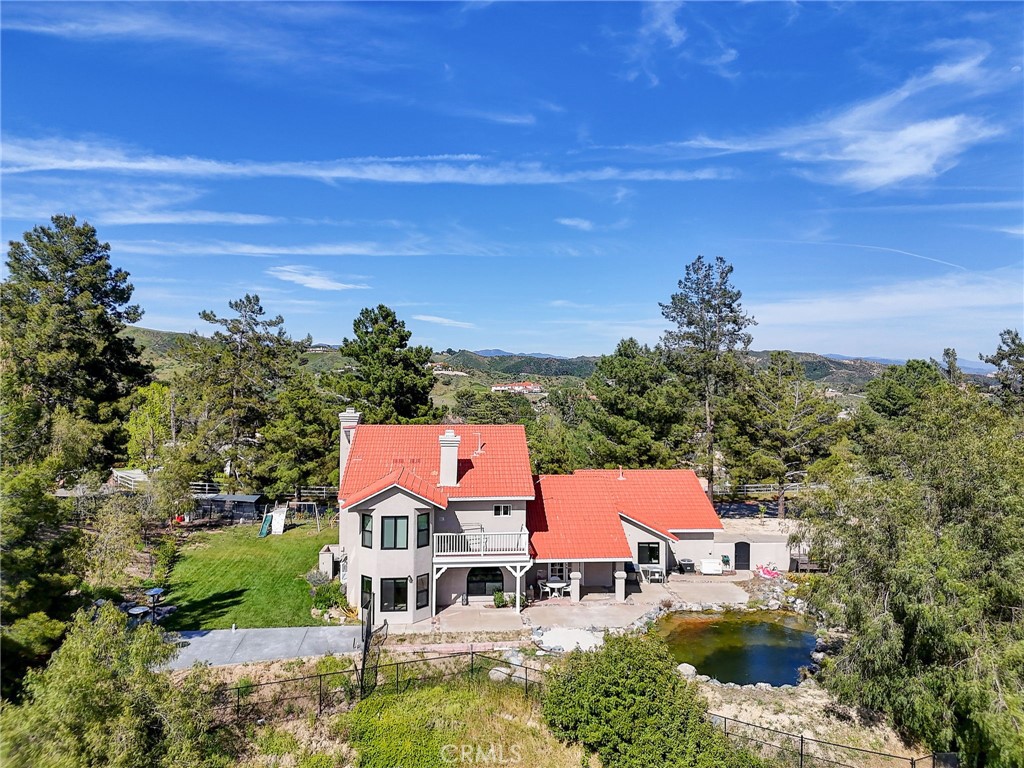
366	592
483	581
558	571
423	590
648	553
394	595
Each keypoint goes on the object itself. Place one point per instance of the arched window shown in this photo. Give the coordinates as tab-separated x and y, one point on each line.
483	581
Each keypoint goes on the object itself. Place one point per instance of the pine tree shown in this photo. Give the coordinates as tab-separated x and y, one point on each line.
710	332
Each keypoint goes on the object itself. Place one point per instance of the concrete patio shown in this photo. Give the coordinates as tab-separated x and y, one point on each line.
219	647
465	618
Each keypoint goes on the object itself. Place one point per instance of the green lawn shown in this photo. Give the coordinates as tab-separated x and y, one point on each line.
230	577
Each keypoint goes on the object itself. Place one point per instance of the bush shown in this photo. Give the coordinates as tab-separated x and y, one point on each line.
315	577
499	599
165	555
626	702
317	760
329	595
276	743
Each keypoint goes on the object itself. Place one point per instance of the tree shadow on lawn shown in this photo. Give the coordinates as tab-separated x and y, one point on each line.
193	614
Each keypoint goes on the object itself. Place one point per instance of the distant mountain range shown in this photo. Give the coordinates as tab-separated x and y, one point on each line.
503	353
966	365
843	372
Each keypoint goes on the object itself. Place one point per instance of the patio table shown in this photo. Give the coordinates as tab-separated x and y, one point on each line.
650	571
561	586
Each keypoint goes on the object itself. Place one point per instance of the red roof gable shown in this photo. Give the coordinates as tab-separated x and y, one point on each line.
573	520
407	480
493	459
577	517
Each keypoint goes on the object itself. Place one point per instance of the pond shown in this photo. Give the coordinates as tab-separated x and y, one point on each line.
742	648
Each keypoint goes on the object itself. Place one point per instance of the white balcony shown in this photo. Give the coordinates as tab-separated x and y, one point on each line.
482	547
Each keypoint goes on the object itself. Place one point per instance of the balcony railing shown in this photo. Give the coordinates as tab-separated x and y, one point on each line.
481	544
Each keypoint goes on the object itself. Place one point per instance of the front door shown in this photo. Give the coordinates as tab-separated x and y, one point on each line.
742	556
481	582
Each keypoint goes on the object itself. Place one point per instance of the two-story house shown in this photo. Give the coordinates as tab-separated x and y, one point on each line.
433	515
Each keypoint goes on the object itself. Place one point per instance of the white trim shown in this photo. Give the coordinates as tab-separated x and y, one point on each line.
581	560
654	531
434	504
696	530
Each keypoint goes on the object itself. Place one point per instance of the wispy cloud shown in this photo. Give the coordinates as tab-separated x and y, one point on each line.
566	304
862	246
897	136
23	156
501	118
658	28
442	321
311	278
118	204
585	225
231	248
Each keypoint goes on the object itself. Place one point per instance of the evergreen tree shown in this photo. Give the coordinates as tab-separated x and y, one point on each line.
638	415
231	380
779	425
1009	362
894	393
301	441
62	309
392	384
710	332
149	425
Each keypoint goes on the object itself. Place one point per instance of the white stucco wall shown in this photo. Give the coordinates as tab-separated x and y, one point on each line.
636	535
694	546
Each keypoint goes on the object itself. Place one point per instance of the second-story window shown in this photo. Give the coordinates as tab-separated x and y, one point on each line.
423	529
367	523
502	510
394	533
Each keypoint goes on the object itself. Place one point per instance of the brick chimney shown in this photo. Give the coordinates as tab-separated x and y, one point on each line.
449	474
349	419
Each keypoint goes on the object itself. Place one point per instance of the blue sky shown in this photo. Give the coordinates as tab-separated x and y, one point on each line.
536	176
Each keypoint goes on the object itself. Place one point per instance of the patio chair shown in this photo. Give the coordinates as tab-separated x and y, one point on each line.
545	589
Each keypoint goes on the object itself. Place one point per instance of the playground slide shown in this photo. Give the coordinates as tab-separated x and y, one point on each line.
265	528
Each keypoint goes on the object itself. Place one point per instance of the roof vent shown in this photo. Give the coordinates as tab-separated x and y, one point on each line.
621	476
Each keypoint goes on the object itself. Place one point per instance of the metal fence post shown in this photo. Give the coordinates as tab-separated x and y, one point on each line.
320	698
398	687
725	726
526	684
472	663
801	750
238	702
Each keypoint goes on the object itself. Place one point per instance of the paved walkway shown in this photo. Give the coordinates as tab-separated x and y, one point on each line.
219	647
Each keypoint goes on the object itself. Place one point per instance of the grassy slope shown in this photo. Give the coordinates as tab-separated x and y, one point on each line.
232	577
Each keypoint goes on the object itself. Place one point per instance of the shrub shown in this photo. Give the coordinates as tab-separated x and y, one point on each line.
315	577
165	555
245	688
626	702
499	599
317	760
276	743
329	595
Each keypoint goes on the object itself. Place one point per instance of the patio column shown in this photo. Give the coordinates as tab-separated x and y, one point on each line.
575	586
620	583
518	571
437	571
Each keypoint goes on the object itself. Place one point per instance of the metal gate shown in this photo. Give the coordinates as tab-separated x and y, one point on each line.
373	639
742	559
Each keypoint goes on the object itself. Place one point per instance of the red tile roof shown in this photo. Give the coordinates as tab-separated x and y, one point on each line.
402	478
664	499
499	469
577	516
574	520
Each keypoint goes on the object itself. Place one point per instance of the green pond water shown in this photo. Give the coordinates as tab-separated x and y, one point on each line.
742	648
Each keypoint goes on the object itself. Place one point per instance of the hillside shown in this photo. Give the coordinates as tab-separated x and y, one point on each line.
845	374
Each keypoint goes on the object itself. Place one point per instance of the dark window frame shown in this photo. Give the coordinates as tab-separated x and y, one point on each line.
644	547
422	534
366	532
394	520
423	594
392	584
365	594
502	510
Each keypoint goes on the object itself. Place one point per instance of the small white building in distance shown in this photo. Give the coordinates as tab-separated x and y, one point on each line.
520	388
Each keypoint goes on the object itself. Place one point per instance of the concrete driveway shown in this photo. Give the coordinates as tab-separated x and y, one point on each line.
720	592
219	647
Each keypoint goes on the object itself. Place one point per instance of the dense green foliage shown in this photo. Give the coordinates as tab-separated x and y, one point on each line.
1009	361
391	384
779	424
922	526
62	308
101	702
626	702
